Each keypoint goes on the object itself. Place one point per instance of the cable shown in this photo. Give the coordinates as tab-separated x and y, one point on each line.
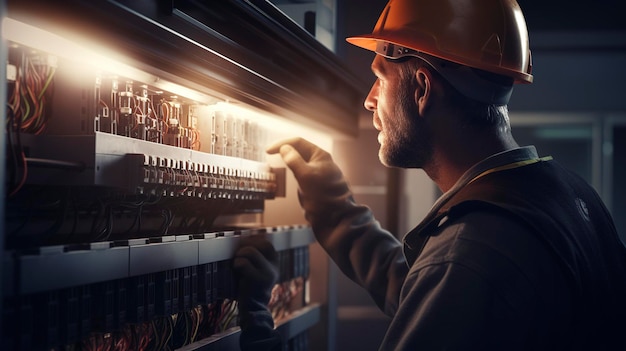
11	147
231	315
17	150
24	174
197	313
95	232
63	210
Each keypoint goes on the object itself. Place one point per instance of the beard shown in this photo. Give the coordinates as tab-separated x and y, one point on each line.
406	142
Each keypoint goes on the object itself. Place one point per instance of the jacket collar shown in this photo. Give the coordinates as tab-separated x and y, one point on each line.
415	240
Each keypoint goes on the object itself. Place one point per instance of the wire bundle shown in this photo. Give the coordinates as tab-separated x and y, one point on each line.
165	333
27	110
283	294
137	337
30	94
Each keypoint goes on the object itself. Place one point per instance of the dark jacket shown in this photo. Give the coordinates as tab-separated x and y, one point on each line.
522	258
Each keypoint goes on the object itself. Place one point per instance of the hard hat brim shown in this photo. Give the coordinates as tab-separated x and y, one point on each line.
369	42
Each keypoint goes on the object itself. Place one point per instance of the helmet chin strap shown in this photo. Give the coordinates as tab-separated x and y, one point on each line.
471	82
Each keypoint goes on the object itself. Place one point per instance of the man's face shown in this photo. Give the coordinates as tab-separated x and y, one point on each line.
403	135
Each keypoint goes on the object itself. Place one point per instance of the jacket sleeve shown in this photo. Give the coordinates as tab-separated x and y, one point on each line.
444	307
364	252
367	254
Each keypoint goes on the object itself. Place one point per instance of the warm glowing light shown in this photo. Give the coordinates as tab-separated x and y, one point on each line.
90	58
182	91
279	128
85	57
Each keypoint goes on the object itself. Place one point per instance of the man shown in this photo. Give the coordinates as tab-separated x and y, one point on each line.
518	253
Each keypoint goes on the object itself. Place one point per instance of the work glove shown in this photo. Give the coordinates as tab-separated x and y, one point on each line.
323	192
255	264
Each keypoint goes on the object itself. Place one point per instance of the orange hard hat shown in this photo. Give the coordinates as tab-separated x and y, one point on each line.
489	35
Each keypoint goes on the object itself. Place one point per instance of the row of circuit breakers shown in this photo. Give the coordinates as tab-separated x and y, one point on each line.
118	297
175	145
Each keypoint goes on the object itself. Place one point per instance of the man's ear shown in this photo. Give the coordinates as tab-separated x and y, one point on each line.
423	91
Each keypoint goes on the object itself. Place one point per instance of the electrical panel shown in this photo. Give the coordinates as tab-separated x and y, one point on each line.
121	159
114	190
135	138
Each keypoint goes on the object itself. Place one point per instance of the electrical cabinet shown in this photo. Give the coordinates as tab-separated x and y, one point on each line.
135	137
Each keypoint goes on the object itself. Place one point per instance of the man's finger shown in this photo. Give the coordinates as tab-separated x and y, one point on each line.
305	148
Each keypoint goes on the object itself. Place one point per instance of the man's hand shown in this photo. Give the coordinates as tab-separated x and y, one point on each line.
256	268
322	186
255	264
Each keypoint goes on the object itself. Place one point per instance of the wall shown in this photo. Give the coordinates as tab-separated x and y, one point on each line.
575	71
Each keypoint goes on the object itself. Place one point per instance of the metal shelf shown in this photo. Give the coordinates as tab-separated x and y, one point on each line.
58	267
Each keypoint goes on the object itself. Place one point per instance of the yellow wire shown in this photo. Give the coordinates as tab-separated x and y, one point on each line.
43	90
156	333
197	324
231	314
169	336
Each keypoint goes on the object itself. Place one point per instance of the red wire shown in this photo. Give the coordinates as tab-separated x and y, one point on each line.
24	175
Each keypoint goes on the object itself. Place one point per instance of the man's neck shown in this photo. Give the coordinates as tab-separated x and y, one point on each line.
451	162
